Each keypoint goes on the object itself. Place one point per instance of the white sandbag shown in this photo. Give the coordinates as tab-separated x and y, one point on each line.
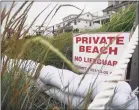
87	85
74	101
134	105
59	78
28	66
68	81
128	101
123	95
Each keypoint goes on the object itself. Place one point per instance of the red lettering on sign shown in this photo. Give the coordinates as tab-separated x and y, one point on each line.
81	49
88	49
84	40
98	40
95	49
98	61
103	50
119	41
114	63
78	39
77	58
111	50
103	41
109	63
95	39
110	39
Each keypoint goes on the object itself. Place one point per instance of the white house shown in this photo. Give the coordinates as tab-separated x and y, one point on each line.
116	5
90	21
84	21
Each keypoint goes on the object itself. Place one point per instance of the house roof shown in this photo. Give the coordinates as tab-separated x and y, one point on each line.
108	8
71	15
84	19
89	13
80	15
113	7
76	19
64	21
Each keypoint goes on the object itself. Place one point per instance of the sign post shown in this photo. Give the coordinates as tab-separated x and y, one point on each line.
135	62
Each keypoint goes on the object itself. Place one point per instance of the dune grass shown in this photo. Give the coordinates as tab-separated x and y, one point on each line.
18	90
121	21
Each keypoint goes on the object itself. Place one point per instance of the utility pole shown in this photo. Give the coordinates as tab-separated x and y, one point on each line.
53	31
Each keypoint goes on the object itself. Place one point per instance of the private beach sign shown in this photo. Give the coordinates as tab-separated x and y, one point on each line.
87	47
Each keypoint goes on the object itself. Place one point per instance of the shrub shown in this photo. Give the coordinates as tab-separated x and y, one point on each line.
121	21
76	30
18	91
37	51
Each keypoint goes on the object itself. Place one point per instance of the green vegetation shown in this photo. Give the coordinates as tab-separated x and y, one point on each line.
39	53
119	22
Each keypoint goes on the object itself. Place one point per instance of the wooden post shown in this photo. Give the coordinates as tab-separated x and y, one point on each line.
53	30
134	73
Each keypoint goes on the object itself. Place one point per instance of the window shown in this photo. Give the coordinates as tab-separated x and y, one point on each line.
75	22
78	20
97	22
69	23
58	26
90	24
87	15
86	22
116	2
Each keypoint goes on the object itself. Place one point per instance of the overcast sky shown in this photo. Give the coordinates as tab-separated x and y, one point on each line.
65	11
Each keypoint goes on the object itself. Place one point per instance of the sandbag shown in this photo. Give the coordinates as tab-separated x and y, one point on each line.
123	95
68	81
28	66
74	101
56	77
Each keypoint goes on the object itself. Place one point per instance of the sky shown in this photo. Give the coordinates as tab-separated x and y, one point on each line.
37	7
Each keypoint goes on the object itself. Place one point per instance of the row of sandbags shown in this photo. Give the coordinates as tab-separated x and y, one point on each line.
65	85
